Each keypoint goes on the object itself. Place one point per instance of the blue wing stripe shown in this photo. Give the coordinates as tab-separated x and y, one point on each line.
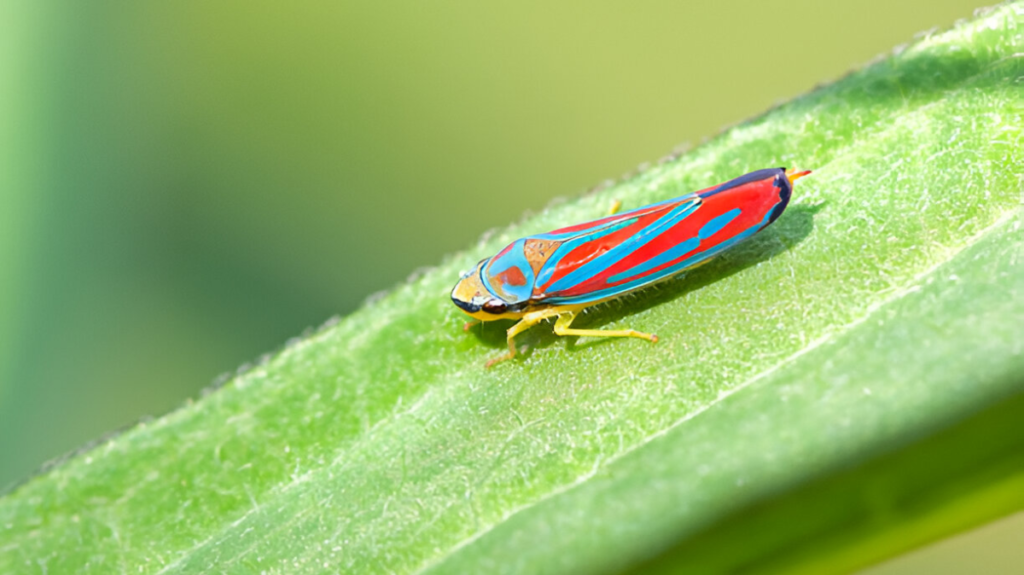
677	251
623	250
669	271
552	262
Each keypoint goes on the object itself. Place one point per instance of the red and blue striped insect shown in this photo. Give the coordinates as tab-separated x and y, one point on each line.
558	274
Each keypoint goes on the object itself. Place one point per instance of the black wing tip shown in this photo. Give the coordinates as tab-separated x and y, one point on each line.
785	188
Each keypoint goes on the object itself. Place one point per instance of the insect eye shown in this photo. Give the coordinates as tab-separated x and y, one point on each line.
495	306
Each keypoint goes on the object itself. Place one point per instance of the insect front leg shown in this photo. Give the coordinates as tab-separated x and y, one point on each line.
529	320
566	319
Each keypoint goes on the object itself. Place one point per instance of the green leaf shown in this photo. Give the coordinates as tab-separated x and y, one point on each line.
841	387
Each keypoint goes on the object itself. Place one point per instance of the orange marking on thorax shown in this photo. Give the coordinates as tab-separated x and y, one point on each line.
513	276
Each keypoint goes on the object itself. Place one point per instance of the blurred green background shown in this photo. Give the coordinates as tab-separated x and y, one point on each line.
186	185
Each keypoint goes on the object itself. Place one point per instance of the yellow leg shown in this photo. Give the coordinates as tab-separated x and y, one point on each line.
529	320
616	204
470	324
566	318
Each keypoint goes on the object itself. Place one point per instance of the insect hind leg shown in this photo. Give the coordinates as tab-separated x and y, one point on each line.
565	320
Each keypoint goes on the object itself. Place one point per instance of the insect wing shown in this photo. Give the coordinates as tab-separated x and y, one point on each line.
579	260
695	229
513	273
